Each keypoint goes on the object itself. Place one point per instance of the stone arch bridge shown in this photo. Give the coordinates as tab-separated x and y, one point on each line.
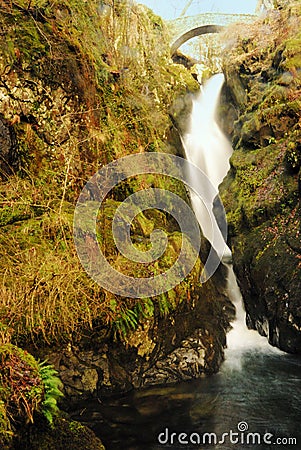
185	28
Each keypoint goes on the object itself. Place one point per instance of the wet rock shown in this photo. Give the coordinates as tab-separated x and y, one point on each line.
286	79
186	61
238	90
268	270
186	362
262	191
81	371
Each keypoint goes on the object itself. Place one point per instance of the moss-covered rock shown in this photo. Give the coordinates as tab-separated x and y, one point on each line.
27	389
22	390
29	417
64	433
262	191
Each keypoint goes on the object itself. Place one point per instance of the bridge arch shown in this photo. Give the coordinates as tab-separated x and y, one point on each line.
198	31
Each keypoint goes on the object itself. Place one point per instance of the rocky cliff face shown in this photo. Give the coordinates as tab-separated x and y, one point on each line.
262	191
82	84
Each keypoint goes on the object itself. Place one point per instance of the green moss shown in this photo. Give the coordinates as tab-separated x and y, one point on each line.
292	52
129	315
260	186
293	155
262	192
76	427
64	433
267	156
9	215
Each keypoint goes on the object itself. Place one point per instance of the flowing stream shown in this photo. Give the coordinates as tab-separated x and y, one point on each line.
254	401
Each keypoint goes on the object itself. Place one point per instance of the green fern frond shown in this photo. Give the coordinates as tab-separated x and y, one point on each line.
164	305
52	390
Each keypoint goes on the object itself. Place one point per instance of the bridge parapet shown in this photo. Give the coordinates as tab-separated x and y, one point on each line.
182	25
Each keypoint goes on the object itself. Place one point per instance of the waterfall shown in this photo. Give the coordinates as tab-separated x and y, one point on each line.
240	339
207	147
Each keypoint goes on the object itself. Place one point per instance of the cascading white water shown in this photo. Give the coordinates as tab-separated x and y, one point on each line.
207	147
240	339
205	144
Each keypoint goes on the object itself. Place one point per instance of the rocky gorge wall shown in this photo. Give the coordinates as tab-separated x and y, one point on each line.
262	191
82	84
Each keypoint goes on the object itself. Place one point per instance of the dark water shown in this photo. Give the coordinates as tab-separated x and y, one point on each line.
260	391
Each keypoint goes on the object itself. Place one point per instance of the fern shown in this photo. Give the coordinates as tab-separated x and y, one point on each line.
127	321
144	308
164	305
52	392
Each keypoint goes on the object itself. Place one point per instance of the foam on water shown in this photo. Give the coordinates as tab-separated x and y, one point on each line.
240	339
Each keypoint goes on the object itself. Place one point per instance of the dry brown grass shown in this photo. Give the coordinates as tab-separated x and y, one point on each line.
44	290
